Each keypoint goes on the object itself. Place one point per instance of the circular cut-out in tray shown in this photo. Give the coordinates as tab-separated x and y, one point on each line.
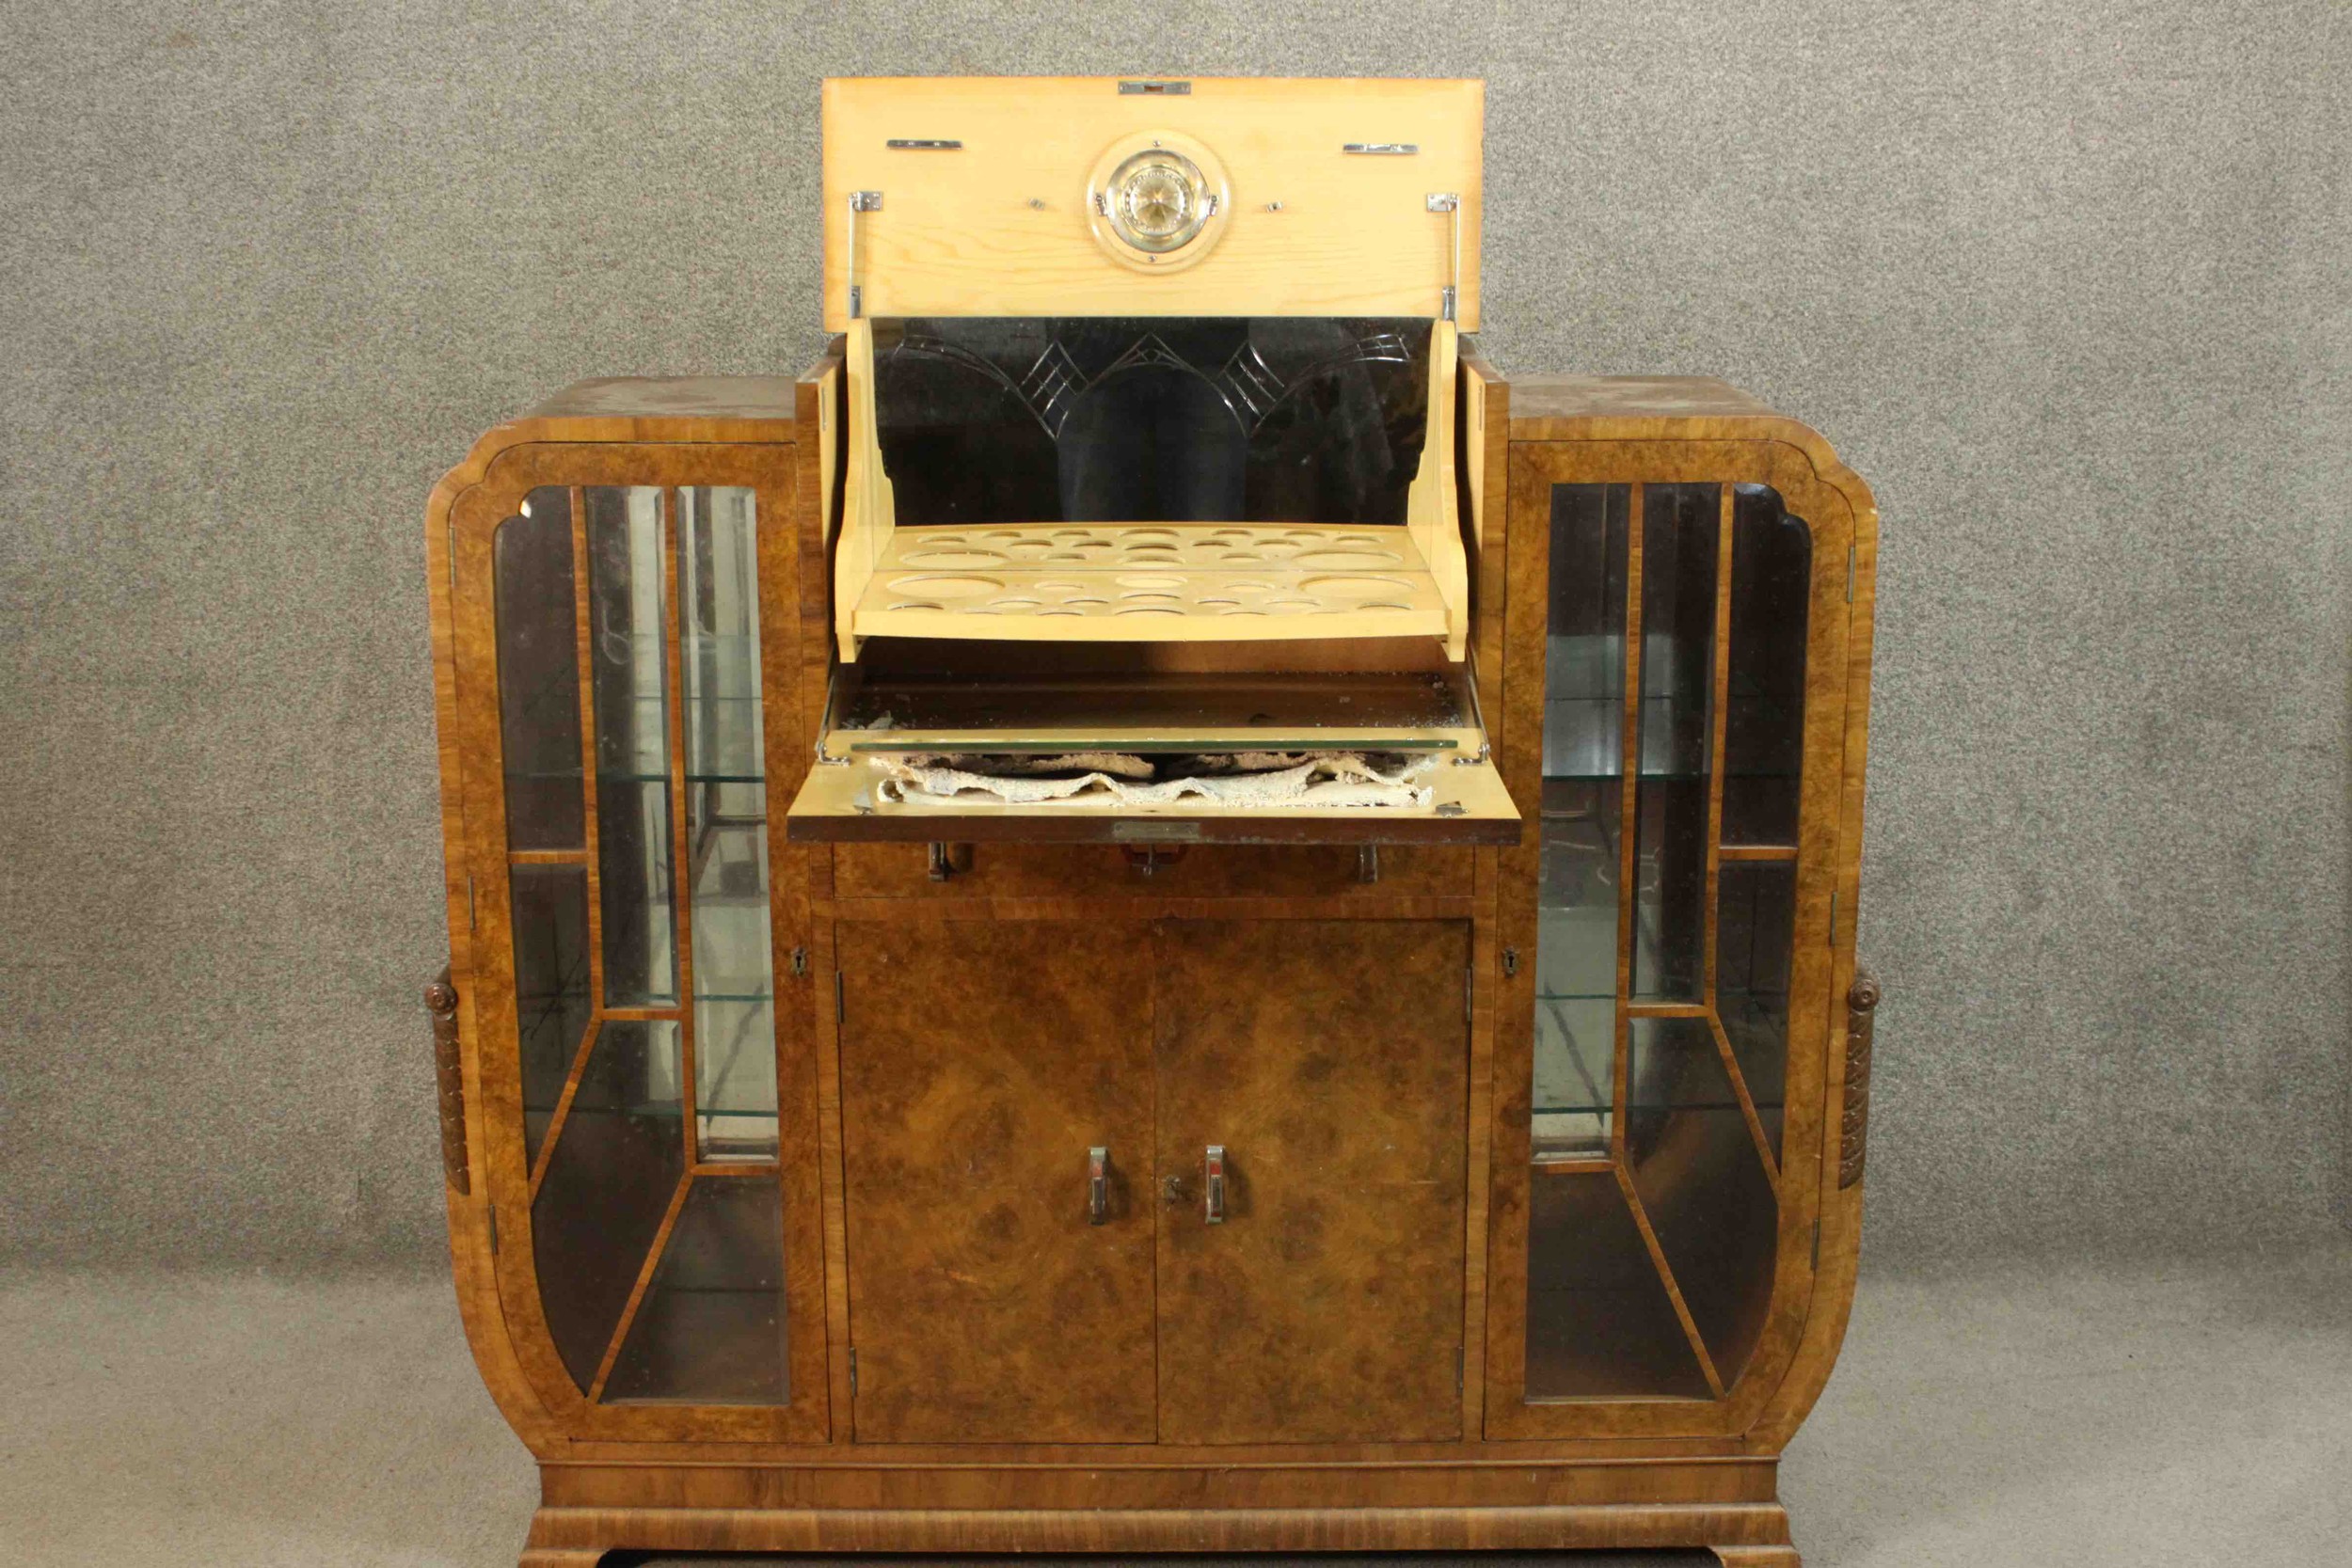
1349	588
1149	609
1150	582
915	604
946	587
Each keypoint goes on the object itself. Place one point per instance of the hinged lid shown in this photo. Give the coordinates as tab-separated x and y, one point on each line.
1152	196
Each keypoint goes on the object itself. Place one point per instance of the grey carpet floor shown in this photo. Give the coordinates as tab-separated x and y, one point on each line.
2190	1414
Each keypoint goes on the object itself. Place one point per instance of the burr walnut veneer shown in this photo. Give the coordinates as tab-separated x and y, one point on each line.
1472	1161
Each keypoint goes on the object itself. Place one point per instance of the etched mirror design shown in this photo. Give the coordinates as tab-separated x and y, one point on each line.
1275	419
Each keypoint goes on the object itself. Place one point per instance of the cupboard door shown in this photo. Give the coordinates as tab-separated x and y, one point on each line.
1329	1060
982	1062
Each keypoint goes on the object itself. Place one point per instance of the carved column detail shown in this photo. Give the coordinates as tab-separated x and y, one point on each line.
1861	1009
440	999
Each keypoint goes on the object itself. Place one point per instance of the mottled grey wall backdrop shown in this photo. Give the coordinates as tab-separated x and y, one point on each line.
2065	281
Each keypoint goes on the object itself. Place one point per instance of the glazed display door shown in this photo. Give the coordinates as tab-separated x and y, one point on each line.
619	612
1187	1181
1667	933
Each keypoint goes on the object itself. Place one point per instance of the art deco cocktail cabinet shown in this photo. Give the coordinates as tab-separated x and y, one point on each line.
1153	910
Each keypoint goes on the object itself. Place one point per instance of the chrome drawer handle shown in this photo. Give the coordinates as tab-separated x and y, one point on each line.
1214	1209
1098	1184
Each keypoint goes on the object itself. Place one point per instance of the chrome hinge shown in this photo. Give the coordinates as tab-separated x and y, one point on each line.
840	1004
1510	962
923	144
799	964
452	555
1450	203
1816	1243
494	1229
469	915
1849	574
1382	150
1458	1358
1155	89
860	201
853	1368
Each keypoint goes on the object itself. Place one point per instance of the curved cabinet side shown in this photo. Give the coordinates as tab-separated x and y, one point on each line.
1840	1251
470	1223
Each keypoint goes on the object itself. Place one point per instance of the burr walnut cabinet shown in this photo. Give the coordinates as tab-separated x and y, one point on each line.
1153	910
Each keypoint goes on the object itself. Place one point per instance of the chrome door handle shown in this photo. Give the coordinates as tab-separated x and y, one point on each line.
1214	1207
1098	1184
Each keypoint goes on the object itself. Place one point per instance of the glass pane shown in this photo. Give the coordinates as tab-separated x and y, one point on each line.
1576	963
549	915
719	619
1680	527
711	1329
629	672
1576	992
1585	641
1291	419
1599	1324
1702	1184
1771	570
538	672
734	1055
616	1165
1755	936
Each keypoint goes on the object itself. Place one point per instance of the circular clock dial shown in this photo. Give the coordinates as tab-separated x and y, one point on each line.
1158	201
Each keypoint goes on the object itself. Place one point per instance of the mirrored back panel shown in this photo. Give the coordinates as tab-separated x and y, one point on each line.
1139	420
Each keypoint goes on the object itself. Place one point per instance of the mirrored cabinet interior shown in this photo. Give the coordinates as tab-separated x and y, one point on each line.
1153	909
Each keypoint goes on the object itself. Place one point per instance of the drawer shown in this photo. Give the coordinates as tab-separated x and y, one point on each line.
1013	870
